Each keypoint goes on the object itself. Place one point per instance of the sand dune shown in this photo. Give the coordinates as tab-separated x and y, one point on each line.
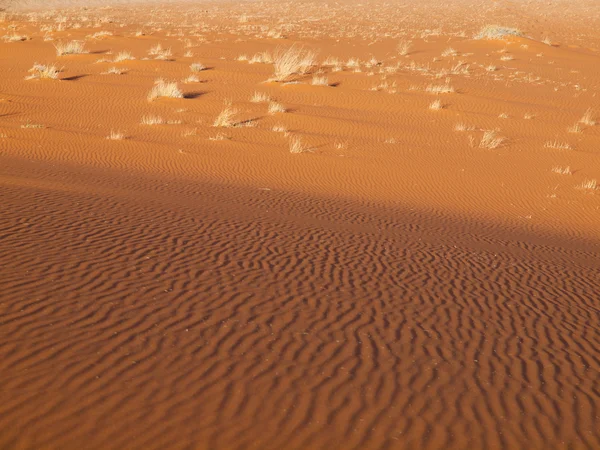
402	284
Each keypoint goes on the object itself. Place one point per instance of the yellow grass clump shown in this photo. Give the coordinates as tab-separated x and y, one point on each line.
225	117
290	62
164	88
70	48
297	146
41	71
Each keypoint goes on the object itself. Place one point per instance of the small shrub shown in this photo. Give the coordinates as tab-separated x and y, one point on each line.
164	88
491	140
320	80
290	62
70	48
562	170
115	136
275	108
590	185
225	117
436	105
260	97
404	47
41	71
123	56
297	146
556	145
588	118
152	120
197	67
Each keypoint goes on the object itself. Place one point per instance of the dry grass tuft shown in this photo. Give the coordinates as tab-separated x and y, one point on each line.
41	72
436	105
291	62
319	80
440	89
164	88
463	127
160	53
219	137
491	140
123	56
562	170
114	71
590	185
404	47
556	145
275	108
225	117
14	37
588	118
197	67
297	146
152	120
279	128
260	97
261	58
115	136
70	48
191	79
449	52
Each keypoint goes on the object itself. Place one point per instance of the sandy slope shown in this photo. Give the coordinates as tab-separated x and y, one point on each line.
398	287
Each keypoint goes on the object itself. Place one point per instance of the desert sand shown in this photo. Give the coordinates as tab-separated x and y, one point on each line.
393	245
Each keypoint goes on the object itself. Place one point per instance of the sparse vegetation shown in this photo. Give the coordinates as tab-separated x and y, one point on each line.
218	137
275	108
440	88
297	146
496	32
70	48
191	79
225	117
197	67
41	72
159	52
292	62
164	88
319	80
436	105
29	124
14	37
260	97
449	52
279	128
115	136
588	118
152	120
491	140
590	185
404	47
556	145
463	127
562	170
114	71
123	56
